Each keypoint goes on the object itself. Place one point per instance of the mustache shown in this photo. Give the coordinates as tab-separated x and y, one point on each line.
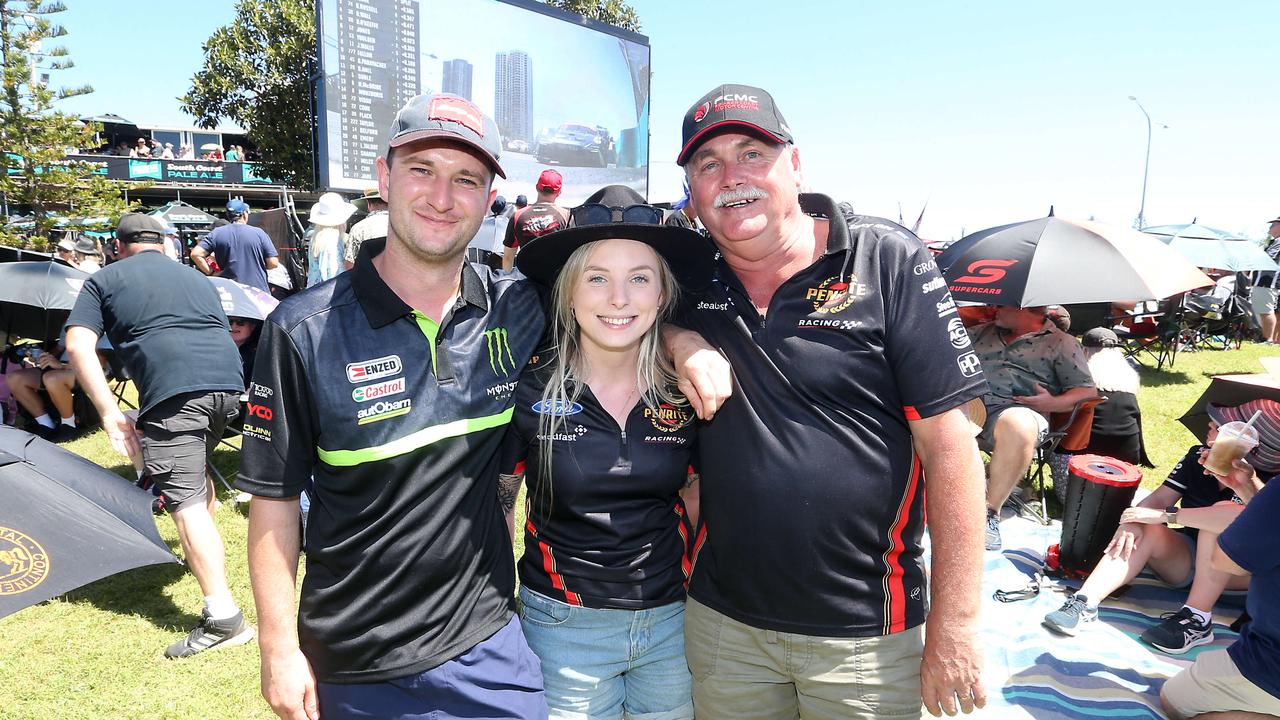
738	195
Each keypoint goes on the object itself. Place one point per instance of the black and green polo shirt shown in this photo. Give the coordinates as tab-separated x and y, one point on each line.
392	424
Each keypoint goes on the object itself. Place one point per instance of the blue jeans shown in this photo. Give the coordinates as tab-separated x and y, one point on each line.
609	664
498	679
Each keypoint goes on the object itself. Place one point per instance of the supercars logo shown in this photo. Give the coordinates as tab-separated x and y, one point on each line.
500	358
359	372
985	272
668	418
556	407
956	333
365	393
24	564
834	294
701	112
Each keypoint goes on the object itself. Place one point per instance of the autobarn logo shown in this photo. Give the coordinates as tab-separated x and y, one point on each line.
956	333
365	393
834	294
667	417
358	372
382	410
24	563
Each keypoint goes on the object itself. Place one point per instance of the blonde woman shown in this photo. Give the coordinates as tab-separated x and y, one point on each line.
604	442
326	237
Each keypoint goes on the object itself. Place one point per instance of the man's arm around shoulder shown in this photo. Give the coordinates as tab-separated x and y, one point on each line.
951	669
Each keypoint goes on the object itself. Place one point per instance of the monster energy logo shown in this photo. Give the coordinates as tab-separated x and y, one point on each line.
496	341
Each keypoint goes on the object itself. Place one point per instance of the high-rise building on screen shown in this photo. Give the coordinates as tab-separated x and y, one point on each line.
513	95
457	78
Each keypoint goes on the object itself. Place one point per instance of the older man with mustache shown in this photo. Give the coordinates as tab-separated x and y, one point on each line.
809	597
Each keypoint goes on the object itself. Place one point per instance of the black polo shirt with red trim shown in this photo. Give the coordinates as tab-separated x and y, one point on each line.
392	424
812	497
607	529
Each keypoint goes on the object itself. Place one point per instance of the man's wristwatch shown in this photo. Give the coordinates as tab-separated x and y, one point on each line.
1171	515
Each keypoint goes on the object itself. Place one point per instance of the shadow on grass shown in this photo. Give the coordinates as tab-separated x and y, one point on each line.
139	592
1158	378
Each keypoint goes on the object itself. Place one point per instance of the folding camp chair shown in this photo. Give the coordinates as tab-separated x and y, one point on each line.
1156	336
1067	430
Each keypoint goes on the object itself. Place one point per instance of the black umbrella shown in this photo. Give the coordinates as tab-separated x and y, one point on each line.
243	301
66	522
1229	390
36	297
1052	261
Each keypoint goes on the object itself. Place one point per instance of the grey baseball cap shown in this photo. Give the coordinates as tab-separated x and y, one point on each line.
449	117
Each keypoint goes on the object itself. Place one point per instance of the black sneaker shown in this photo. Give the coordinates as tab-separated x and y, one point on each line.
42	432
1068	618
1178	632
212	634
62	433
993	530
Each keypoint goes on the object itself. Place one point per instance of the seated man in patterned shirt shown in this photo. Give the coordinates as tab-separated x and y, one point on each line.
1032	369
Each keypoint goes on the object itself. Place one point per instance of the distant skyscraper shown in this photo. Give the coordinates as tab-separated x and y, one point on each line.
457	78
513	96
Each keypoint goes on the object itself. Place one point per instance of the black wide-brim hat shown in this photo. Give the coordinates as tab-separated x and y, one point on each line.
689	254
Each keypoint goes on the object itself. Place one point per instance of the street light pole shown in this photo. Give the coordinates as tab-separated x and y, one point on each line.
1141	220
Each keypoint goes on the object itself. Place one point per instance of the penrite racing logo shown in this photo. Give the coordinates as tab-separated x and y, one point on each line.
668	418
24	564
500	358
383	410
834	294
364	393
366	370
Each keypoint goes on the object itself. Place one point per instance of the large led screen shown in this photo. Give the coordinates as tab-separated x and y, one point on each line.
566	93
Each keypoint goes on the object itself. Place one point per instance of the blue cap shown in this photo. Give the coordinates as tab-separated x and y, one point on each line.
679	204
170	229
237	206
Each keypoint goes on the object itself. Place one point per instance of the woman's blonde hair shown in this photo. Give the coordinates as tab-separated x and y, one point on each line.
1111	370
655	374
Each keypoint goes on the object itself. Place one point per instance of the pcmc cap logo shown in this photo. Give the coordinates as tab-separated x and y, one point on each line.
23	562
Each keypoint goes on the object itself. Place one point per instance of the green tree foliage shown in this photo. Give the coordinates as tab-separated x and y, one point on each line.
614	12
257	73
35	138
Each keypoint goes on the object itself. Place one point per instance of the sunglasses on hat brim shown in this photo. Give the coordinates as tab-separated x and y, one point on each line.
599	214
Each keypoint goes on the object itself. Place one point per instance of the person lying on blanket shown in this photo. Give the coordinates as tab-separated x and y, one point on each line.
1177	542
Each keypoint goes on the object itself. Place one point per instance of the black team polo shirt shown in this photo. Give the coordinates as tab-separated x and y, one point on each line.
812	496
607	529
399	420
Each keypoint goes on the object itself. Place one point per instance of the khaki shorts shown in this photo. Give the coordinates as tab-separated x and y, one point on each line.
745	673
987	438
1214	684
1263	300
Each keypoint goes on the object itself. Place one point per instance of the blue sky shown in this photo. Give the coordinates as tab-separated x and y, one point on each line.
990	111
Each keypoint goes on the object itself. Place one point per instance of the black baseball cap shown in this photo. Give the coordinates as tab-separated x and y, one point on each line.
449	117
136	227
744	106
688	253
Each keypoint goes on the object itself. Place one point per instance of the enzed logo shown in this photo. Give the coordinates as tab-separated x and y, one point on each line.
500	358
358	372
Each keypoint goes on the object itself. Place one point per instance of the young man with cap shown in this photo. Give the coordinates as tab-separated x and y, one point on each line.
245	253
163	320
808	594
540	218
385	395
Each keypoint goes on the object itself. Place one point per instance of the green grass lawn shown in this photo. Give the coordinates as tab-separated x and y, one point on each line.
97	652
